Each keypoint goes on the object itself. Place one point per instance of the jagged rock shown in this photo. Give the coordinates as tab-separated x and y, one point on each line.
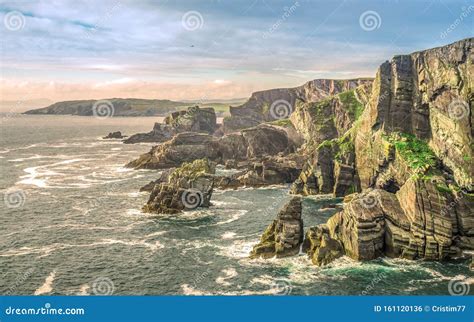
265	140
160	133
194	119
114	135
184	147
320	247
261	141
185	188
267	171
420	221
427	94
330	169
285	235
272	104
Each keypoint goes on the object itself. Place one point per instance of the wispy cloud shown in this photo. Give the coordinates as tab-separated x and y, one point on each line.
92	48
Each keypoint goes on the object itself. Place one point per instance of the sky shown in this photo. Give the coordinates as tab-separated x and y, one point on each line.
204	50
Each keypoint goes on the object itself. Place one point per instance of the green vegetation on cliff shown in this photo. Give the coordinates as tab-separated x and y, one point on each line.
414	151
351	103
192	170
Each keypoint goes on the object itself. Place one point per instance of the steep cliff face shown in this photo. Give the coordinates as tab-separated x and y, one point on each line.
280	103
329	132
427	94
412	152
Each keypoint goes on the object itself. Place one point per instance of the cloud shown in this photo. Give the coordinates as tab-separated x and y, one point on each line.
81	44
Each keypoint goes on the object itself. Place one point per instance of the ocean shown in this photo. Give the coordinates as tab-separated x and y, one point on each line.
71	224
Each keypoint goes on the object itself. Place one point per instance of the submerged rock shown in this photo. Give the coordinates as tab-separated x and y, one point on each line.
185	188
285	235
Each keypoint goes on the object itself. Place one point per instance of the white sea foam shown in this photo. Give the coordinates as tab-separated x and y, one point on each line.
229	273
228	235
83	290
47	286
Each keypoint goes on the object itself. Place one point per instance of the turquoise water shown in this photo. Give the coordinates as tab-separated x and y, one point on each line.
71	224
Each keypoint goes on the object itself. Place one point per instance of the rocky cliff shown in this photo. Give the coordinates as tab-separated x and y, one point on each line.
193	119
270	105
408	156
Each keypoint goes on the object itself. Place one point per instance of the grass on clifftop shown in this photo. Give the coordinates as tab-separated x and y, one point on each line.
414	151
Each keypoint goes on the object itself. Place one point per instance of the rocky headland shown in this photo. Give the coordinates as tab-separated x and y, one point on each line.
398	148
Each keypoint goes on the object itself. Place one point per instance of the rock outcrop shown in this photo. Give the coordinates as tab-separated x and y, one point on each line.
284	236
412	157
114	135
254	143
270	105
185	188
266	171
184	147
194	119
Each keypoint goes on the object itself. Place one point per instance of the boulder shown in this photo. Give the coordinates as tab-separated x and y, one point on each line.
284	236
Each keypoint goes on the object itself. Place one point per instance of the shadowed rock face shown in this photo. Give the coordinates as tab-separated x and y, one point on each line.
194	119
279	103
285	235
